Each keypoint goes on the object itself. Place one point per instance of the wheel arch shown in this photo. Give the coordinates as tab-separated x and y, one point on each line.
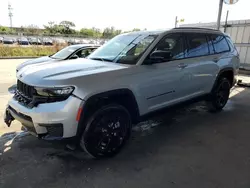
124	97
225	72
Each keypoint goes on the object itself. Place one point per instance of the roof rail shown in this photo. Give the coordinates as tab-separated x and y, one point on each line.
204	28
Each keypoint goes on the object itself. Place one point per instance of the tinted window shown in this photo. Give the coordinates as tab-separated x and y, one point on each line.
197	45
65	52
210	45
85	52
230	42
172	45
220	43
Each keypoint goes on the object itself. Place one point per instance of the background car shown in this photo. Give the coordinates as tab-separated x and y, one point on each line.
8	40
59	41
23	41
74	41
35	41
69	52
47	42
1	39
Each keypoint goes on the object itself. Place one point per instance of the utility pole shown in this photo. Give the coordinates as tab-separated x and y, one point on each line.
219	13
10	14
176	21
225	27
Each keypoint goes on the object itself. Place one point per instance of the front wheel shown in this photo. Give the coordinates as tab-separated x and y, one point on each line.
220	95
107	131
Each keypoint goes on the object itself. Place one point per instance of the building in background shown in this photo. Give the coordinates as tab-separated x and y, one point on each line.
239	31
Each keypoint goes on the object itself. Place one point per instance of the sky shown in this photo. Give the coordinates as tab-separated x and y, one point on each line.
122	14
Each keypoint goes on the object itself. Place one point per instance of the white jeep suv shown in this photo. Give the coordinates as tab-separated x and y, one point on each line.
96	100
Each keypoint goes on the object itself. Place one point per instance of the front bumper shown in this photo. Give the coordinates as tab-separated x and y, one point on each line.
51	121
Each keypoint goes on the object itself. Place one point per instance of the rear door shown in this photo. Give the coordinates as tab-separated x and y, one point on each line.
219	56
197	54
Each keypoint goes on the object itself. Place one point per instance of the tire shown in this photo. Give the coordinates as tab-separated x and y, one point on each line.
219	96
106	132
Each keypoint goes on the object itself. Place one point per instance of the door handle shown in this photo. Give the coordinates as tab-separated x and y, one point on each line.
182	65
216	60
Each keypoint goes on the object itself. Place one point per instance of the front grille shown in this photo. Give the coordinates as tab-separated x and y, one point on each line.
25	90
24	93
27	96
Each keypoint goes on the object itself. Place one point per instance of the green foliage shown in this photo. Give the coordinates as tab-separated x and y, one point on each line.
31	29
93	32
53	28
5	30
136	29
31	51
67	27
110	32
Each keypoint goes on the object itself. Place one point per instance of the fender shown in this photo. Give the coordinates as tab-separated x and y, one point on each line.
114	95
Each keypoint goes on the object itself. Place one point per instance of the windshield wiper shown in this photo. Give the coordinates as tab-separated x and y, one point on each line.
101	59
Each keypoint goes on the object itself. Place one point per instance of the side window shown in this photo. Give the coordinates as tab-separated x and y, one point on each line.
210	45
197	45
230	42
170	48
220	43
85	52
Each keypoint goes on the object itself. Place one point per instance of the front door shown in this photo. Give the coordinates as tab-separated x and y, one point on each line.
167	77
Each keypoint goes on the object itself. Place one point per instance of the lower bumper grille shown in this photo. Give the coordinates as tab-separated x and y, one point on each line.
53	130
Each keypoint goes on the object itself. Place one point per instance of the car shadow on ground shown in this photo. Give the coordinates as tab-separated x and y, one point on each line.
162	134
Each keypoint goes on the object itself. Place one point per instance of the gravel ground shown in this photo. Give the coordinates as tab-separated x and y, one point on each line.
186	147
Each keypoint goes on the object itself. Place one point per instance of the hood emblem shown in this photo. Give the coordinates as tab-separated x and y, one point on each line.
21	76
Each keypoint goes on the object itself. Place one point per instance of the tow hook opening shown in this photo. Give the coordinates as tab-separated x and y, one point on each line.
8	118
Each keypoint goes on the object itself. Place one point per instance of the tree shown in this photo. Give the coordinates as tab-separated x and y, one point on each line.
136	29
87	32
32	29
67	26
110	32
50	28
53	28
5	30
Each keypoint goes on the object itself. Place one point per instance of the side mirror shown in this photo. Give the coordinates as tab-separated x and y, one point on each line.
74	56
160	56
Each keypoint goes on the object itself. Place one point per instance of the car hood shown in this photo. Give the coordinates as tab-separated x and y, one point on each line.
49	73
35	61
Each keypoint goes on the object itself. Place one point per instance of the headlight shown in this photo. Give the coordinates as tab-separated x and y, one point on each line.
53	92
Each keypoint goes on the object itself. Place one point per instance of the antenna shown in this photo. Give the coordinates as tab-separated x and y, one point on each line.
10	14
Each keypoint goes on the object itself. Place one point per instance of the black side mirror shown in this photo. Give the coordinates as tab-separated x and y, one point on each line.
74	56
160	56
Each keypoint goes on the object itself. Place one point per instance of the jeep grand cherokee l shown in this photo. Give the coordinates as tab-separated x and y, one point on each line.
96	100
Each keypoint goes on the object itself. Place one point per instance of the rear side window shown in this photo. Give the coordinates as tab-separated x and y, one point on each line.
230	42
220	44
197	45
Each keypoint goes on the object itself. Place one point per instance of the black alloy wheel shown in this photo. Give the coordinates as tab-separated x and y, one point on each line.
107	131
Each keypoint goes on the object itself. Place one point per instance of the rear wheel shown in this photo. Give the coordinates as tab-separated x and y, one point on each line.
107	131
219	95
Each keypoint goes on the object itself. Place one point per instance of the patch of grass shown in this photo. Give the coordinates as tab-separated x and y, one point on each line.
31	51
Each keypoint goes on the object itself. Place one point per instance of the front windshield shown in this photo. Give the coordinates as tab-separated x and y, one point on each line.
64	53
124	49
